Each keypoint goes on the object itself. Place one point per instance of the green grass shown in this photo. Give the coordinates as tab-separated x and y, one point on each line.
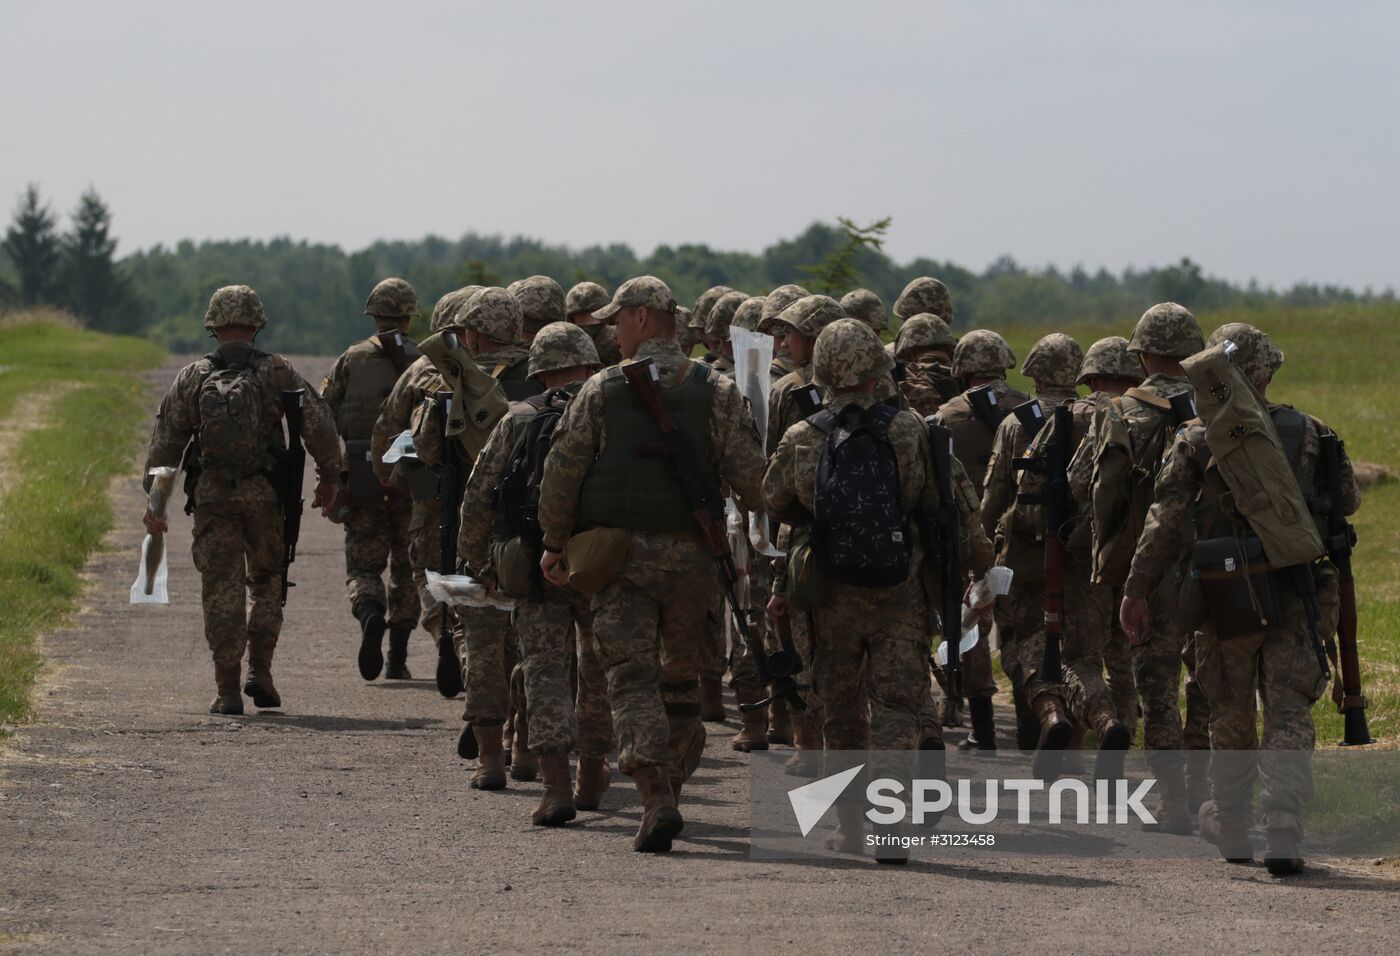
1339	366
53	508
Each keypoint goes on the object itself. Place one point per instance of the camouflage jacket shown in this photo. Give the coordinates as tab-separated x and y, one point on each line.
396	414
509	365
999	485
359	382
972	439
605	341
928	385
580	436
177	421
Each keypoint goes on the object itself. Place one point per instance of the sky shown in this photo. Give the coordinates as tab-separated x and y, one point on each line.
1261	139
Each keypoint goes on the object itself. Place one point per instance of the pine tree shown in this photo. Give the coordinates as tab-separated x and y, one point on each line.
838	274
32	244
93	287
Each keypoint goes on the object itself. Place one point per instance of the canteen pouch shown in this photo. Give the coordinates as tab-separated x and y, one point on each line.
1241	596
514	563
595	557
804	585
364	484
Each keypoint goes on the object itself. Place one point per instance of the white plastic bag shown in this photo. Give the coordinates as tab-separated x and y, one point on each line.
152	577
984	592
401	448
462	590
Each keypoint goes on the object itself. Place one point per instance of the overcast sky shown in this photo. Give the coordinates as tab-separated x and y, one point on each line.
1261	139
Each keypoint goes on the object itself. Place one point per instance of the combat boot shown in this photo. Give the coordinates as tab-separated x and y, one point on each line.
1073	763
372	624
557	802
259	685
466	743
229	701
754	736
490	773
849	836
1281	853
523	763
661	821
1230	838
807	761
1114	741
780	723
1028	725
1197	779
397	668
712	699
1055	732
594	778
982	741
1172	815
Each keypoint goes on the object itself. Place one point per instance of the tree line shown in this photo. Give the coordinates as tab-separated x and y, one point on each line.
314	292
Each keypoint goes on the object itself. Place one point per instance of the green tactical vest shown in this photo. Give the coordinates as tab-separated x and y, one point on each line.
632	484
371	377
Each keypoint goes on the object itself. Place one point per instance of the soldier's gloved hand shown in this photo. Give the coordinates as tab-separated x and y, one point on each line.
554	574
154	523
1132	614
324	496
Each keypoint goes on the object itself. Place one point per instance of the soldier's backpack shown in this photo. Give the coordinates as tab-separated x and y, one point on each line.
516	500
231	439
860	528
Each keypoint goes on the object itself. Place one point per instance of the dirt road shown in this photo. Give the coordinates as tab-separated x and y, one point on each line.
131	821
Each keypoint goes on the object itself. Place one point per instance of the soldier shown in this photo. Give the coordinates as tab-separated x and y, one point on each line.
376	517
924	350
226	409
801	323
602	473
495	531
866	306
749	313
541	302
872	628
1019	529
717	322
924	295
579	305
980	359
494	335
1278	663
1166	334
694	333
773	304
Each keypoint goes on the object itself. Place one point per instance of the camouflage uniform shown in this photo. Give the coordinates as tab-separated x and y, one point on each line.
579	305
502	322
237	518
923	349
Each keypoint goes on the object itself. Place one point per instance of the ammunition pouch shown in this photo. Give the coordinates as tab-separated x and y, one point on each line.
422	481
363	484
596	557
1241	592
516	564
804	586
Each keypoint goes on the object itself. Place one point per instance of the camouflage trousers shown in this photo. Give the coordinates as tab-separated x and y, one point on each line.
376	539
1157	672
871	665
1282	667
649	623
237	549
1118	665
487	649
1089	613
425	553
556	631
804	639
725	648
1195	732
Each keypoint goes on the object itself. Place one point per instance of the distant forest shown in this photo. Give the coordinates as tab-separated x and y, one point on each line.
314	293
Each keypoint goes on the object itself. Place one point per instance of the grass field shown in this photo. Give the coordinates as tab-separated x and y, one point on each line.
85	393
1340	366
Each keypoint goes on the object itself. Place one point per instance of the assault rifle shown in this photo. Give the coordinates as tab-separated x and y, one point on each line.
289	475
949	564
1340	539
1055	503
451	484
392	344
984	405
774	669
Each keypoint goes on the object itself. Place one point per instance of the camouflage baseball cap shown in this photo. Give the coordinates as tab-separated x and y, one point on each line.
1257	357
647	291
447	308
848	352
585	297
982	352
924	294
810	314
493	312
722	314
749	312
235	305
776	301
865	305
1054	360
392	299
923	331
541	301
1169	330
707	300
561	345
1109	358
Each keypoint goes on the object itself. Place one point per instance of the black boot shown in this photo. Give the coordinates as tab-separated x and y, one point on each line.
983	738
397	668
1027	723
371	658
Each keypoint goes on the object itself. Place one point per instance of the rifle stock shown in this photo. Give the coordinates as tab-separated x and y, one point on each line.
293	466
1055	502
949	558
1341	538
392	344
449	667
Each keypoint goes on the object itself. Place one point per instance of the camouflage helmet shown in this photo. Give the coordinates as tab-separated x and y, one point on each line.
749	312
848	352
541	301
692	319
392	299
1110	358
865	305
810	314
982	352
1169	330
923	331
707	300
722	314
1257	357
585	297
235	305
449	305
776	301
1054	360
924	294
493	312
561	345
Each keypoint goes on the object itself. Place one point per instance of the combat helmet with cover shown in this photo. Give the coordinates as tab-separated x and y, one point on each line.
493	312
1054	360
561	345
982	352
749	312
1256	355
924	294
775	302
810	314
1109	358
235	305
721	314
586	297
866	306
392	298
848	352
541	301
1169	330
923	331
448	307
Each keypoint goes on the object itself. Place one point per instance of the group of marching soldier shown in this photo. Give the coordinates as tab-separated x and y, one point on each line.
616	495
